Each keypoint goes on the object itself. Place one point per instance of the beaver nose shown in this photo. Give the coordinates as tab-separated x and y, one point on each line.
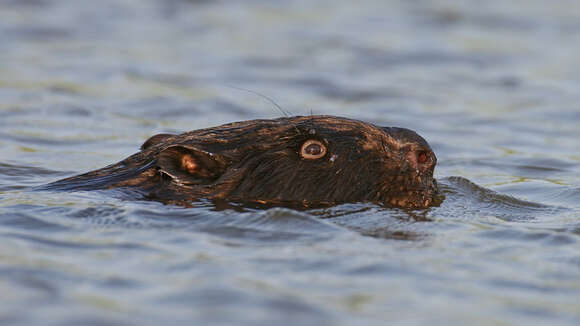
414	150
422	160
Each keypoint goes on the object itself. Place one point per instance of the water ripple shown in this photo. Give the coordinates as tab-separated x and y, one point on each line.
465	198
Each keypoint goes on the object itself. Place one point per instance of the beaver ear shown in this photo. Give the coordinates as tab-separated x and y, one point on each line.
154	140
190	165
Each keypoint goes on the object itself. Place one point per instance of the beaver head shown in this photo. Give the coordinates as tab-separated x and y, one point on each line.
308	161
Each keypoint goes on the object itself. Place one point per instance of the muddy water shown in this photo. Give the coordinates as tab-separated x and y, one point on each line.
493	86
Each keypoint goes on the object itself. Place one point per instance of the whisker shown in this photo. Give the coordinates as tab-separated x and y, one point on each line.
287	114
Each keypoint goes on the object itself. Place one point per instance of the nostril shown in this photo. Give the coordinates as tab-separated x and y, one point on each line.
420	160
422	157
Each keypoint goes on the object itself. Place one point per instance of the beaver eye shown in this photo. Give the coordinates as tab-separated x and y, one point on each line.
312	149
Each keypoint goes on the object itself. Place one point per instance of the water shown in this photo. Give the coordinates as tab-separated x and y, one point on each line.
493	86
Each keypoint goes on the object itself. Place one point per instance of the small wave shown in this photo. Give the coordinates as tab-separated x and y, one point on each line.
22	171
272	225
20	177
543	236
465	199
569	195
17	217
550	192
250	225
36	140
76	244
375	221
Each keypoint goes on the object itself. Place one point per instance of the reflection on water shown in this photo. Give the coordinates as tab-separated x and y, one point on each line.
492	86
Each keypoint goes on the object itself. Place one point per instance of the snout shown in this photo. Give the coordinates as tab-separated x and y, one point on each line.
421	160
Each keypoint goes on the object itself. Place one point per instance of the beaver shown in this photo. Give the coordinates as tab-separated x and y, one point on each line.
302	161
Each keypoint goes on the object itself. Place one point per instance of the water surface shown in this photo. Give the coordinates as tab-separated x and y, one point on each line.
493	86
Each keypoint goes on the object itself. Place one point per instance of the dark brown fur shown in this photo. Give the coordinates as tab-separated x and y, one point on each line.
260	161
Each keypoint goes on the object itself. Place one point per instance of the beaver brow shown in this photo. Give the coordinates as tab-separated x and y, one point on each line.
309	122
295	126
393	142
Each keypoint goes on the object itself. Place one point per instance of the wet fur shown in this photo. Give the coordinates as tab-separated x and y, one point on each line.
259	161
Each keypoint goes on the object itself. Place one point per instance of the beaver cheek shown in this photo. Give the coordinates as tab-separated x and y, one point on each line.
412	161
